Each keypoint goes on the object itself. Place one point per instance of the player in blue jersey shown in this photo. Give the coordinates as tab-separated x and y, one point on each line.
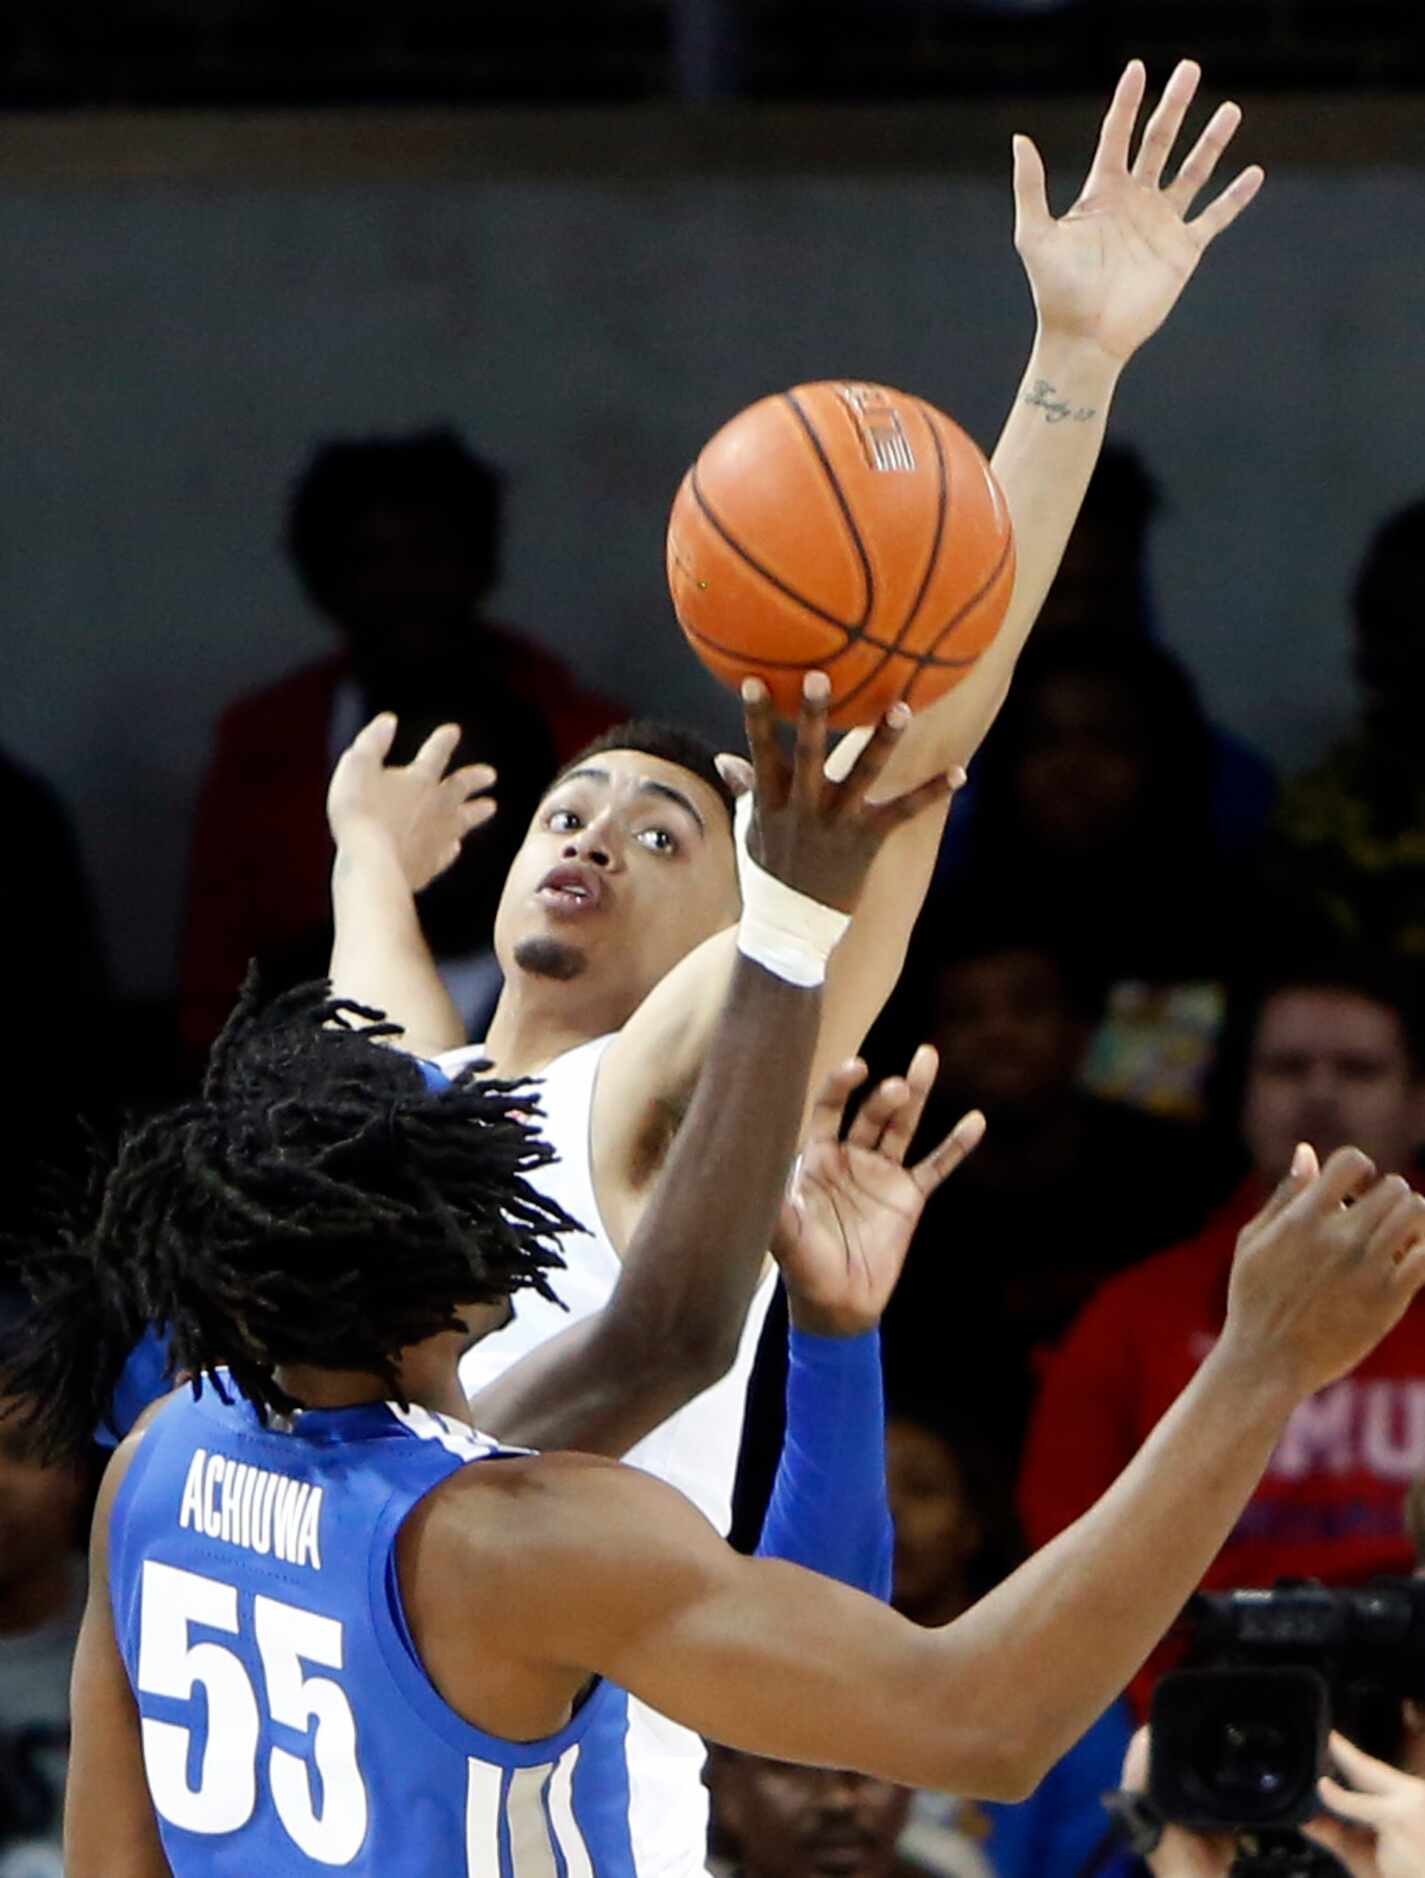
292	1153
332	1627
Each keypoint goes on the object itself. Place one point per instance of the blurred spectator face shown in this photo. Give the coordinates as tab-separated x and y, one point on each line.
1331	1067
1083	768
627	866
1006	1028
937	1530
405	588
39	1507
805	1822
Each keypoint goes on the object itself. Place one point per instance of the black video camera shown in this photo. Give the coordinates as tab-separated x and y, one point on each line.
1239	1736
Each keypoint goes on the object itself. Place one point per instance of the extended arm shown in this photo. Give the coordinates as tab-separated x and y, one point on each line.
842	1242
828	1508
768	1659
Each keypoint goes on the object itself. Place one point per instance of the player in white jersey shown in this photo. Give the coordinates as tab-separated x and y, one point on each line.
617	922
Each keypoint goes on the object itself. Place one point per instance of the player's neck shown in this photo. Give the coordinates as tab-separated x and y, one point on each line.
537	1020
428	1380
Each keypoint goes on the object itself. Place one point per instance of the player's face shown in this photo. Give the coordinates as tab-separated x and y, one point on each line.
807	1822
937	1531
628	865
1006	1031
1330	1067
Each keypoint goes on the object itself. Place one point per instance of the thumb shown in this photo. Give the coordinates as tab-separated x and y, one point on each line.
735	771
1303	1170
1031	202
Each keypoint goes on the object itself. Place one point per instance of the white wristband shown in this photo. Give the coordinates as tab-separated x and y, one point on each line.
786	932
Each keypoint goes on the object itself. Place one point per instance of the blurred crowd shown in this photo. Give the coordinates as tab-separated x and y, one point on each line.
1152	962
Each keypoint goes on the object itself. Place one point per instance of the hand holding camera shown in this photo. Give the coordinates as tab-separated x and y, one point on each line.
1379	1826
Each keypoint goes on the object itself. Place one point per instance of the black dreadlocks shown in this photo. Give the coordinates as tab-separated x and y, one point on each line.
317	1203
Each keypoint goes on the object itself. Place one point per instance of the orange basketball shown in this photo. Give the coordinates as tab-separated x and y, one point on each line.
847	528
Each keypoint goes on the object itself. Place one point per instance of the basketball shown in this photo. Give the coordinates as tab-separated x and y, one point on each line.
845	528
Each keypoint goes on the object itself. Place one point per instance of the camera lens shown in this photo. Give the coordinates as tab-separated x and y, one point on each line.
1249	1763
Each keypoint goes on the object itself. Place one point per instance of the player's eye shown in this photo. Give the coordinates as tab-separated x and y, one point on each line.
562	821
658	839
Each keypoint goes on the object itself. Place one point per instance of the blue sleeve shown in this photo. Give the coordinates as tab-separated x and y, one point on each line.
828	1509
1057	1828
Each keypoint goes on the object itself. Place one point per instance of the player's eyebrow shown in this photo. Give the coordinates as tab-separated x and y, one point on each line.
646	786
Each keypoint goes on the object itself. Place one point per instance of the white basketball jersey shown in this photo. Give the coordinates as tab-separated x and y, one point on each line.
694	1450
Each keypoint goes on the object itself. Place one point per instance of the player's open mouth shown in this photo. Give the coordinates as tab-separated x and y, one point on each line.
571	889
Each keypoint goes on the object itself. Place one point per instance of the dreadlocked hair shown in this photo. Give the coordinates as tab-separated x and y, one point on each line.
317	1203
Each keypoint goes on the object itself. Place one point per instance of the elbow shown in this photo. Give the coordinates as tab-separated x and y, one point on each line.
701	1355
1002	1770
1015	1777
681	1359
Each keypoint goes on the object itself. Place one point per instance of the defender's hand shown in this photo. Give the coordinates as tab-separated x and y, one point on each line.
421	811
1329	1265
1381	1832
1110	270
854	1205
815	834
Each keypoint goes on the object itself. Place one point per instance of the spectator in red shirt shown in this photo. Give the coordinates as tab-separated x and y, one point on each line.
396	541
1331	1056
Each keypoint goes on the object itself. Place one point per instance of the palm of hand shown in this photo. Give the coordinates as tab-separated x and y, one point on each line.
1112	268
843	1236
421	811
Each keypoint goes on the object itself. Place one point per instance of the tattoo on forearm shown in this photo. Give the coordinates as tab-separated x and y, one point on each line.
1054	407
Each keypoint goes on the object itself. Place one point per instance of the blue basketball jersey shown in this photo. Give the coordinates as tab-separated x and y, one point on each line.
288	1724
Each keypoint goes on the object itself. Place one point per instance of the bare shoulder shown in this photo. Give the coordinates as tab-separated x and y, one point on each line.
511	1530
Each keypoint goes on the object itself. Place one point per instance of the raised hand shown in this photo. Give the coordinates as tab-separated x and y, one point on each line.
1328	1266
854	1205
424	813
1110	270
817	834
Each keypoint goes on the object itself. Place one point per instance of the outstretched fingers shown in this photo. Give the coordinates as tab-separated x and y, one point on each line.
1031	194
900	1127
437	750
877	1113
809	755
941	1162
374	740
1116	133
769	771
1400	1227
1223	210
1197	167
873	756
1161	131
924	796
1346	1176
829	1105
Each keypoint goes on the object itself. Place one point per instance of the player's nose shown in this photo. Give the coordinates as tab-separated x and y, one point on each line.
594	844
